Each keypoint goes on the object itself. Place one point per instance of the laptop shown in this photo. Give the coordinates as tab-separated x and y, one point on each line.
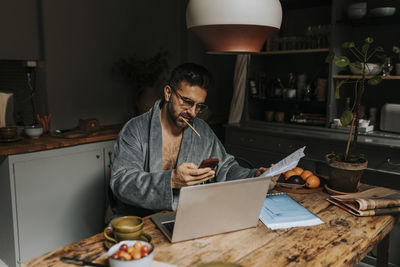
214	208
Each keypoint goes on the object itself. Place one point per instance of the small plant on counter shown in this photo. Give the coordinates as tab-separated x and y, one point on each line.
366	77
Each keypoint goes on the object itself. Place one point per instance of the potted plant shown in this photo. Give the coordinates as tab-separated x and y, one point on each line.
346	168
143	74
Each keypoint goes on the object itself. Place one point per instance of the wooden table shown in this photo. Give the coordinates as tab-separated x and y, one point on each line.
343	240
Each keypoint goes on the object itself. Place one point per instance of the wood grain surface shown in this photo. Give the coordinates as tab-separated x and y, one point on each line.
48	141
343	240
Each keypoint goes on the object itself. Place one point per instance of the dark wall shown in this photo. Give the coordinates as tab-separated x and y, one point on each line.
83	39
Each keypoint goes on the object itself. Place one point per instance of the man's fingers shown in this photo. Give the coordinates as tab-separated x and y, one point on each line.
194	182
190	180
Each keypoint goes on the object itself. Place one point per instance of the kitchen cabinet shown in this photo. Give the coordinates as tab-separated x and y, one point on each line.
52	198
266	143
19	30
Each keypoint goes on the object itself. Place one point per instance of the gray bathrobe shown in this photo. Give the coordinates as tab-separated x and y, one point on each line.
139	183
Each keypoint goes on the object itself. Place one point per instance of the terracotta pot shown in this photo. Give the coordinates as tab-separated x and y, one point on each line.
279	116
146	99
269	115
344	176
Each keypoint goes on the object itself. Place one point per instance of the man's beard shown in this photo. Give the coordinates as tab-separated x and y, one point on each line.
174	116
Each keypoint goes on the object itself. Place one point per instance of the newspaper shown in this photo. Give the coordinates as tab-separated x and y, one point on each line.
371	202
285	164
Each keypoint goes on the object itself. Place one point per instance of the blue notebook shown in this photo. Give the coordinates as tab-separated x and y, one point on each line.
281	211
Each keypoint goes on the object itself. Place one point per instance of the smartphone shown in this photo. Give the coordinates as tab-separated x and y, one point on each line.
211	163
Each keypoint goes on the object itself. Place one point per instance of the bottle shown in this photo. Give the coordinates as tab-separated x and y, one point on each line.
347	104
301	84
372	115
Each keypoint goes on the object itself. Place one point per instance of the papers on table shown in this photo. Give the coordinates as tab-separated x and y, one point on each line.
281	211
286	164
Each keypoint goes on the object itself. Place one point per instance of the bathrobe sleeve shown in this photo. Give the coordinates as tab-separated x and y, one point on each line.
132	181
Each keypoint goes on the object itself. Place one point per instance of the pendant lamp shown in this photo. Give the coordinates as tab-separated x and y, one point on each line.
233	25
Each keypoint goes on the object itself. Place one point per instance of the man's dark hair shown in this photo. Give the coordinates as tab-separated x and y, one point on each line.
194	74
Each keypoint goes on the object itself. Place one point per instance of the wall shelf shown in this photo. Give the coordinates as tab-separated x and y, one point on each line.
371	21
296	4
296	51
392	77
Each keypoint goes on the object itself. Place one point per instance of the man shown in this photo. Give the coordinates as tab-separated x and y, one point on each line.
157	153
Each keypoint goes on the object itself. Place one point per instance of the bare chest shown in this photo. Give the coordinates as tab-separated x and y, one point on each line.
170	151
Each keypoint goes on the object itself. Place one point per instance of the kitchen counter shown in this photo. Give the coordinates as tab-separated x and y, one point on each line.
52	141
375	138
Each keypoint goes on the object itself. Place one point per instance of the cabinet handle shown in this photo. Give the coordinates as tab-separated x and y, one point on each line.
97	156
392	164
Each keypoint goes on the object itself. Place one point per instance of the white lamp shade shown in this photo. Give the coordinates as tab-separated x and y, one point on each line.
234	25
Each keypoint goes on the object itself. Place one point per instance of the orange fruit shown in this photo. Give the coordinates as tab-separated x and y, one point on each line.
288	174
305	174
298	170
313	181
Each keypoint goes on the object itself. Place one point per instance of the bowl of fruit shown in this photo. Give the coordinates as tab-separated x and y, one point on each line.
131	253
299	178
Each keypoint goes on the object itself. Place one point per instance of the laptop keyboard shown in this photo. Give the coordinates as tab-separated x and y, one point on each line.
169	226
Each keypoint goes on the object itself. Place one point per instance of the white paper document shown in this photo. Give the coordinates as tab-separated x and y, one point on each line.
286	164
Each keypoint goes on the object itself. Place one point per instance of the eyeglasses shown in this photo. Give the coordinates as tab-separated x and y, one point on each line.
189	103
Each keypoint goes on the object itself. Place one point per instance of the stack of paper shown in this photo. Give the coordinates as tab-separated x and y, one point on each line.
281	211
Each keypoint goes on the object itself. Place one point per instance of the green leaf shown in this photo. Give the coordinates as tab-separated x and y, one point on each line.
345	45
357	65
369	40
379	49
375	80
364	49
330	57
352	45
346	118
342	61
337	87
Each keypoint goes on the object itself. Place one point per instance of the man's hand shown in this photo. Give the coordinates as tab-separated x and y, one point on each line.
274	179
273	182
260	171
189	174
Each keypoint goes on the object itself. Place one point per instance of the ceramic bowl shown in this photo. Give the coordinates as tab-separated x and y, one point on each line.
33	131
358	5
370	69
356	13
143	262
383	11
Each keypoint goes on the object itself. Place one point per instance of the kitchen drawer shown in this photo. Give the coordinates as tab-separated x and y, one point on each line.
262	141
257	157
316	149
387	159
